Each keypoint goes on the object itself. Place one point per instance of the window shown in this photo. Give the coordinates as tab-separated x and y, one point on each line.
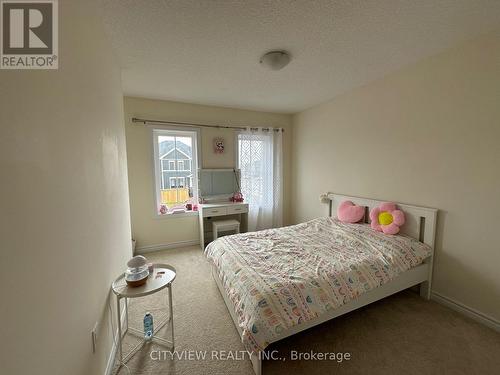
173	182
251	155
260	160
175	153
177	182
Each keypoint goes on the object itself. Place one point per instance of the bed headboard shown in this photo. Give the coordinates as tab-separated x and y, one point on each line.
420	221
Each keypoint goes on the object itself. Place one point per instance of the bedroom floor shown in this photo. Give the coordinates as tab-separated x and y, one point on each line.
400	334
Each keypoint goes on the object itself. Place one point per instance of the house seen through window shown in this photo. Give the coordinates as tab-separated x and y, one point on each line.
175	169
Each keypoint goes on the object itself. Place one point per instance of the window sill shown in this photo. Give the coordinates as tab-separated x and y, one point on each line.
171	216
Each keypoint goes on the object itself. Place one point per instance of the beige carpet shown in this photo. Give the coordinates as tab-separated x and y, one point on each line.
402	334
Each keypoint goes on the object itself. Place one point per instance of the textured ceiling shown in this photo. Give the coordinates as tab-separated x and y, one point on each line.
208	51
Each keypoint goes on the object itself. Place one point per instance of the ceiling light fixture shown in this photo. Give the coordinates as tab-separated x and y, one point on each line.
275	60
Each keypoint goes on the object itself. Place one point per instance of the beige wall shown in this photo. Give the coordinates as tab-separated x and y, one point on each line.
65	222
427	135
146	228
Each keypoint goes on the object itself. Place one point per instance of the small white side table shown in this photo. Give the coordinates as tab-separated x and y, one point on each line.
162	277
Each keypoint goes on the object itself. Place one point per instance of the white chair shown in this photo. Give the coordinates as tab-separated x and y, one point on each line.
224	226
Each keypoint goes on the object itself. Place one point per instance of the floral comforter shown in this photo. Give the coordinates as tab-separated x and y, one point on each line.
279	278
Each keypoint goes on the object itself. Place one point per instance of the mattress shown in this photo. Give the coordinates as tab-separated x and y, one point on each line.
279	278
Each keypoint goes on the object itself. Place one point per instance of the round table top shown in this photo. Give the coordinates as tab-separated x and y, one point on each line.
161	277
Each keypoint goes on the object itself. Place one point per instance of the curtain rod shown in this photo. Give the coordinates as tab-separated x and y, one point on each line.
152	122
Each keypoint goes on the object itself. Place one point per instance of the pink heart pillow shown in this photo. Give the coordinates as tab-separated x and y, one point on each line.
348	212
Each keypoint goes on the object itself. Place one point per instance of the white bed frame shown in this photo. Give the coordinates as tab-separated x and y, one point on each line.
420	224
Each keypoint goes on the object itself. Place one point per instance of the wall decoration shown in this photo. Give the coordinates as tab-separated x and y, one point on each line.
219	145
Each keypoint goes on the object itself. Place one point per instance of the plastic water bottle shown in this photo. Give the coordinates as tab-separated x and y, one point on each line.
148	326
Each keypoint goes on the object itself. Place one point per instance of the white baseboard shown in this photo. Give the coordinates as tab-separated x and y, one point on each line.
166	246
466	310
114	347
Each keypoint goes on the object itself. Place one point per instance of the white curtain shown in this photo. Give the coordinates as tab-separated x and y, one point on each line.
260	159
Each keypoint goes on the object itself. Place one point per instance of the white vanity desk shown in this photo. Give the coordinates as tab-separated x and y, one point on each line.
209	212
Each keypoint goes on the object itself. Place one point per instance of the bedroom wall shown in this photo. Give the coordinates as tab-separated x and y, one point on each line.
149	230
426	135
65	220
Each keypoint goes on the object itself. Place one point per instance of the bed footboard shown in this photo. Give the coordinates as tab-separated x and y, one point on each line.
418	275
254	358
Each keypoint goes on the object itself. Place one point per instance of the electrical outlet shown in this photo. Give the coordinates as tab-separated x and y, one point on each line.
94	337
